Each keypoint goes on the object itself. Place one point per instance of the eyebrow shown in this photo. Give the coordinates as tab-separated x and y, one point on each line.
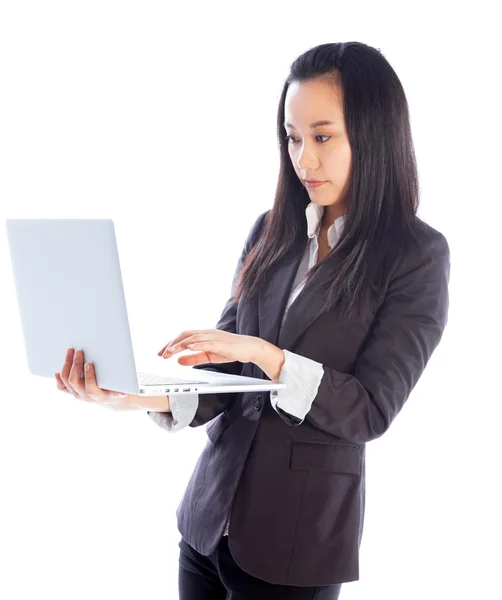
313	125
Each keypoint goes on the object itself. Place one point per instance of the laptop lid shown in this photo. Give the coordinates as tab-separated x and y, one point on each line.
52	259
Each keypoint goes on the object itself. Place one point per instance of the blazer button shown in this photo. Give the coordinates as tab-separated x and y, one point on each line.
258	402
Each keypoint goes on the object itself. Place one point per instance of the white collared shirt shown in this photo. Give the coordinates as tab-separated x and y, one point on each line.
314	214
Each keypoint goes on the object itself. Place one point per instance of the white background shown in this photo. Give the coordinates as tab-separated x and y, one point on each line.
163	119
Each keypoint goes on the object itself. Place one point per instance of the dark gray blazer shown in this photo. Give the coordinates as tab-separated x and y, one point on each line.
297	492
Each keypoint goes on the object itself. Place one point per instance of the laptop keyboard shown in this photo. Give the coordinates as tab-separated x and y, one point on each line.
156	380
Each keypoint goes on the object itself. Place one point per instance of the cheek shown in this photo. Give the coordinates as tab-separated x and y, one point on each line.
338	163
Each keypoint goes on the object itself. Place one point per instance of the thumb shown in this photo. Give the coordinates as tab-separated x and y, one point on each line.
199	358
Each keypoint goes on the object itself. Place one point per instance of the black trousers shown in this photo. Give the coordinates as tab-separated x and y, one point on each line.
218	577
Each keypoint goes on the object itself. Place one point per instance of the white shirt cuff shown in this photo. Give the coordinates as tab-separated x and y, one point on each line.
302	377
183	409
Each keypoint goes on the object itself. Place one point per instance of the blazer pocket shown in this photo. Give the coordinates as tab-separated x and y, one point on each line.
216	427
334	458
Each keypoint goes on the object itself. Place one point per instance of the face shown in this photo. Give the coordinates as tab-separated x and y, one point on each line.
319	152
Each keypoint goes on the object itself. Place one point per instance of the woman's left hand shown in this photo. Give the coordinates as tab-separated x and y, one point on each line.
213	346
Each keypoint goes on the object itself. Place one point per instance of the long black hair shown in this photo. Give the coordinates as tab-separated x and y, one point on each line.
381	196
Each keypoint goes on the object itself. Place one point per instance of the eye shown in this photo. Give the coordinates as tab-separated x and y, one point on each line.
290	137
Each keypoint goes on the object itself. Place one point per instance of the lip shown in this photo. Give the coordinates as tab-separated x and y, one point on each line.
311	183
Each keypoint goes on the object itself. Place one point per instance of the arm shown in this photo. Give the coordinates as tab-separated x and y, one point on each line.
214	404
406	331
188	411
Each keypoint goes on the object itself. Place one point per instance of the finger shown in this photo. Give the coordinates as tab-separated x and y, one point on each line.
187	342
68	361
91	387
189	360
76	374
66	370
60	384
206	346
163	349
199	358
94	391
214	348
170	343
180	345
184	335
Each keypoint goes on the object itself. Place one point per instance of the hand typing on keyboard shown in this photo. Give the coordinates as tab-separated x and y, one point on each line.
218	346
215	346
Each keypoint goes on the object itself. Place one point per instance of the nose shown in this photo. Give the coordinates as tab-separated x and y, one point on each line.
307	160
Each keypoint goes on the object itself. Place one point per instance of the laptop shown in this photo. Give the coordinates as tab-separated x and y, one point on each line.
70	295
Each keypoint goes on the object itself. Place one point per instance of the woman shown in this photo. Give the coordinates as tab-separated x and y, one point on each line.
341	292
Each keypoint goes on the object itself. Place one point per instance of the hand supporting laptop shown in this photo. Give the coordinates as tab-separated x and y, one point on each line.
80	381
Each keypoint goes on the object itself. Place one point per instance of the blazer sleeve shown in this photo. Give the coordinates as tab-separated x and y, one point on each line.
210	406
360	407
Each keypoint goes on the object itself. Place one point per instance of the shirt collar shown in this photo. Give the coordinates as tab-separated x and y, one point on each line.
314	214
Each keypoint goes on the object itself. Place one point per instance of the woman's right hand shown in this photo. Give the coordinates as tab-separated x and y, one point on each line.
85	388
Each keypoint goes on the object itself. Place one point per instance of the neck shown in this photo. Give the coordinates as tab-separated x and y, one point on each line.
331	213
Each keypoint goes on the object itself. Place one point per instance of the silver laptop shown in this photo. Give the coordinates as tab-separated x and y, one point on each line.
70	295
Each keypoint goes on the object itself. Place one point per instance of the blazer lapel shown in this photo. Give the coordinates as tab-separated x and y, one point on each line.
305	309
273	296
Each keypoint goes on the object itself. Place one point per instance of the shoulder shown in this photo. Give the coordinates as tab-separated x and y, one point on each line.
262	219
429	236
425	255
425	244
258	226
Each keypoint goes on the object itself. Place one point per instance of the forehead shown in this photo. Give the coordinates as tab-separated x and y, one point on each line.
309	101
